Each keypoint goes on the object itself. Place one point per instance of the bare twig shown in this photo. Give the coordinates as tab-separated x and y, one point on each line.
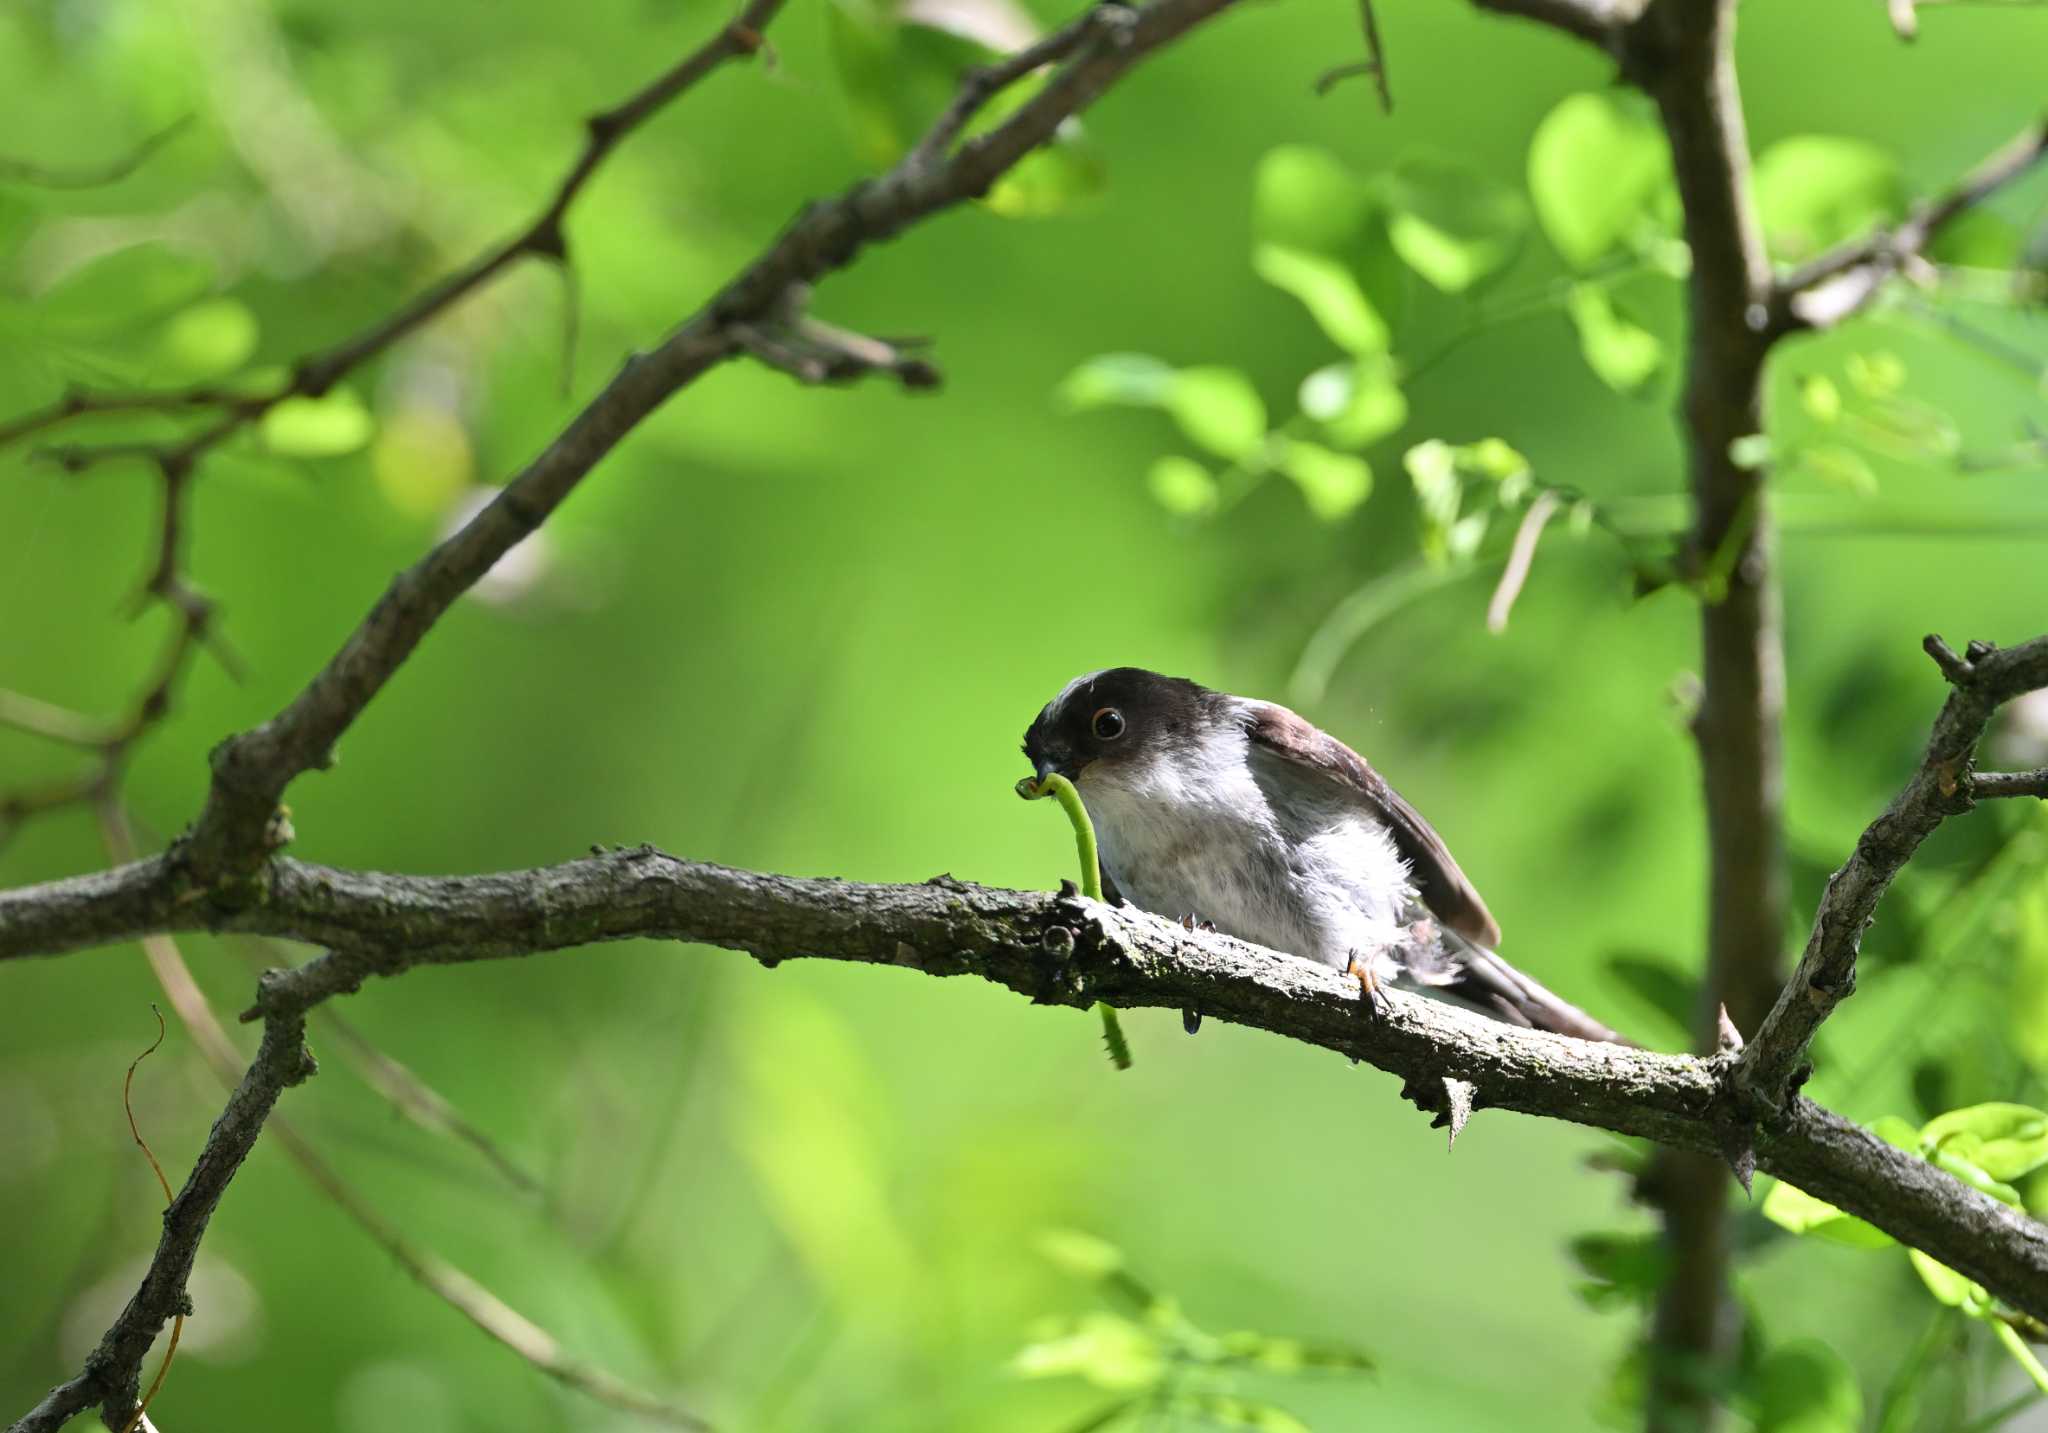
1942	786
1374	63
1521	557
1987	785
1830	288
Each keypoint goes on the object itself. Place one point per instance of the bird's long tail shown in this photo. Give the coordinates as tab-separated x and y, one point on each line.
1485	981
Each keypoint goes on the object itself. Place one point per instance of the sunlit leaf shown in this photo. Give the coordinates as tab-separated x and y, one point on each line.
1329	291
325	427
1452	223
1815	190
1622	354
1133	379
1306	199
1433	469
1946	1284
1877	374
1806	1387
2005	1141
1332	484
1080	1254
1800	1212
1947	1157
1219	409
1107	1350
210	339
1357	403
1182	486
1820	398
1595	163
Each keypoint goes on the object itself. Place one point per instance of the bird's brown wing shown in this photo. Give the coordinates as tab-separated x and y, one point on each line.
1301	754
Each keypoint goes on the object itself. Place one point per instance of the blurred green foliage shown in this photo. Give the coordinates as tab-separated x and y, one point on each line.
799	630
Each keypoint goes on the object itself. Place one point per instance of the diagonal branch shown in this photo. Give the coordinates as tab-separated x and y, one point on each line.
1839	283
542	237
1941	787
252	770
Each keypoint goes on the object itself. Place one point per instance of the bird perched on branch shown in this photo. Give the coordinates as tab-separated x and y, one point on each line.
1245	815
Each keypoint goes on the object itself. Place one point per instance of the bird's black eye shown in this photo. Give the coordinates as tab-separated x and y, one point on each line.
1108	723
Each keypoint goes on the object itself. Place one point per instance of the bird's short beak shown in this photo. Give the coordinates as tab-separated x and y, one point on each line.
1045	766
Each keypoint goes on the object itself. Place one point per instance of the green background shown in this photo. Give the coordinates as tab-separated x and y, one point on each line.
803	631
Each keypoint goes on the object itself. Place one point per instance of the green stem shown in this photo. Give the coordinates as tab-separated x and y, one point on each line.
1055	785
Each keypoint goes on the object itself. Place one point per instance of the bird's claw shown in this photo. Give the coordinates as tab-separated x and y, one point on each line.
1373	990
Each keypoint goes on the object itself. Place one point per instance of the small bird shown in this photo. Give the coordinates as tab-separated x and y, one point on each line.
1241	814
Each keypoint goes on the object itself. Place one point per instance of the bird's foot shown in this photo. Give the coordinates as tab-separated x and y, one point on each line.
1373	988
1192	923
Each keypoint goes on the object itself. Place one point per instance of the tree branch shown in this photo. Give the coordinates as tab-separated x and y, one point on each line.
384	925
252	770
1830	288
1940	787
109	1374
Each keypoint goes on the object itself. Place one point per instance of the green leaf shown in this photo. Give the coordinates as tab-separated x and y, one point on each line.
1332	484
1329	291
1815	190
1800	1212
1080	1254
1452	223
1805	1387
1596	163
1106	1350
1623	1268
1622	354
1357	404
326	427
1976	239
1839	466
1945	1156
124	288
1907	428
1820	398
1052	179
1224	1410
1219	409
1433	468
1946	1284
1133	379
208	340
1182	486
1306	199
1877	374
2005	1141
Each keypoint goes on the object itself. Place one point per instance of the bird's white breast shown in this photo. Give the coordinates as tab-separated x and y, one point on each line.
1192	833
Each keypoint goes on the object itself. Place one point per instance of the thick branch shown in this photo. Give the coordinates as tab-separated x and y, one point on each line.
1830	288
251	771
1941	787
386	924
